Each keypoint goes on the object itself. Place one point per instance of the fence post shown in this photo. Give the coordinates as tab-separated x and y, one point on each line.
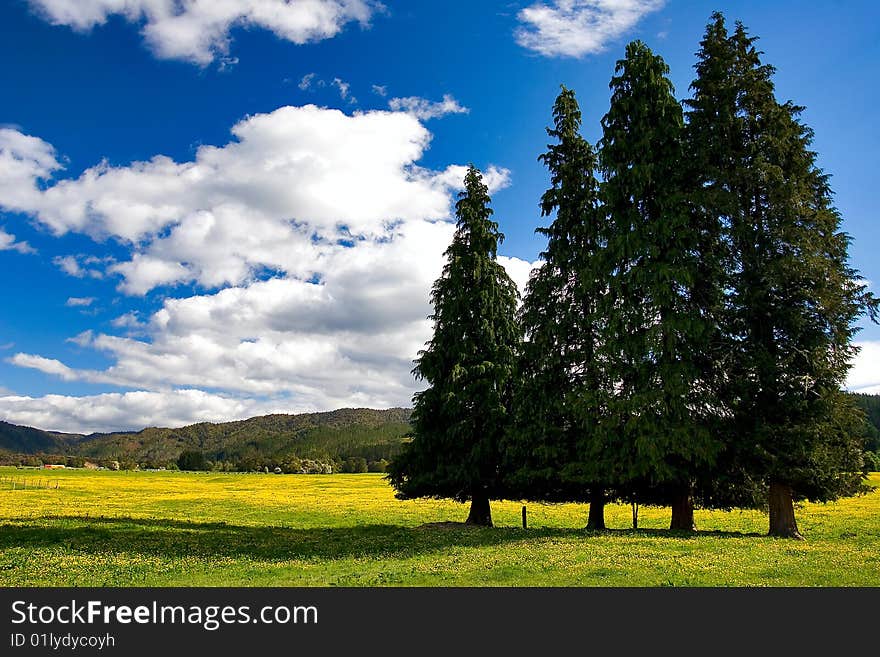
525	518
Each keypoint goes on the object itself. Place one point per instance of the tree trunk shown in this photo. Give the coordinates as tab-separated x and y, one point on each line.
596	519
683	512
782	520
480	513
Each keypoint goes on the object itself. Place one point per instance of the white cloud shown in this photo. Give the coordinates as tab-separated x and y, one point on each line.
424	109
573	28
380	90
24	161
9	243
348	341
83	339
322	234
46	365
78	266
132	410
865	373
74	302
199	30
280	196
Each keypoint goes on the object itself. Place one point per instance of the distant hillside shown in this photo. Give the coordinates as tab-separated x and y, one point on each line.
335	435
270	440
27	440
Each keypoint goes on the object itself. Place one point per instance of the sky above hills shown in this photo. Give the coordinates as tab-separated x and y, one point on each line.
214	210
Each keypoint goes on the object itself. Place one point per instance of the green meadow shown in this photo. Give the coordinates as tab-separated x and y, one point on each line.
102	528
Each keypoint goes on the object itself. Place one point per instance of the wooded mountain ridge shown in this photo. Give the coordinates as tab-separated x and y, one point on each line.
334	436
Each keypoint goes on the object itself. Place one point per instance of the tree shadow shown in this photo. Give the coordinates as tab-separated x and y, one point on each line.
650	532
170	538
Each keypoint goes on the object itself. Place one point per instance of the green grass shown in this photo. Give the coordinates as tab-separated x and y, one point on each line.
183	529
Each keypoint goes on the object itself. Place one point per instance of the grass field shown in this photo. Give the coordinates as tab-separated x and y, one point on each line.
186	529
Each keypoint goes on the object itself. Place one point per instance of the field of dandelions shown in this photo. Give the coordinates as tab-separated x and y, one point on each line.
102	528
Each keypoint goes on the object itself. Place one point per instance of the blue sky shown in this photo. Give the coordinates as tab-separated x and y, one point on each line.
208	216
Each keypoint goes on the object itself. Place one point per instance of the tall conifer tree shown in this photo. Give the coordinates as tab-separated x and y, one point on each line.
468	364
793	296
556	450
660	312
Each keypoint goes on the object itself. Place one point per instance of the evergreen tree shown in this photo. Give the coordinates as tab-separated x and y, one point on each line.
793	297
469	363
662	296
556	450
715	152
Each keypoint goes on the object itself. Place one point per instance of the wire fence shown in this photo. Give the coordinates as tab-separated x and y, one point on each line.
24	483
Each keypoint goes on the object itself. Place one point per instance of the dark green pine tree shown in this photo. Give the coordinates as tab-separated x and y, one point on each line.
714	153
793	298
661	305
469	365
555	451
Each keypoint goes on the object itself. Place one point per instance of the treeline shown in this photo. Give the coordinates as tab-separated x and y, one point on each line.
687	337
39	459
194	460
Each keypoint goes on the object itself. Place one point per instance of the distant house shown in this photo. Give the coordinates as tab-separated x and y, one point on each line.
49	466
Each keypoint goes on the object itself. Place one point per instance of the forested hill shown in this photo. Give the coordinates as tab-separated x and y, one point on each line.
269	440
27	440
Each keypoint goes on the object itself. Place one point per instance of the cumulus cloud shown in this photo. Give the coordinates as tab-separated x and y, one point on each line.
132	410
424	109
9	243
24	161
573	28
280	196
315	236
198	31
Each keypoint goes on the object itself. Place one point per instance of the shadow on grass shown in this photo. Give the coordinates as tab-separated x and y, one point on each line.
175	538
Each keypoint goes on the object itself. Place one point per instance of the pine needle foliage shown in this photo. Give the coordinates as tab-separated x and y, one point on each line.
469	364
